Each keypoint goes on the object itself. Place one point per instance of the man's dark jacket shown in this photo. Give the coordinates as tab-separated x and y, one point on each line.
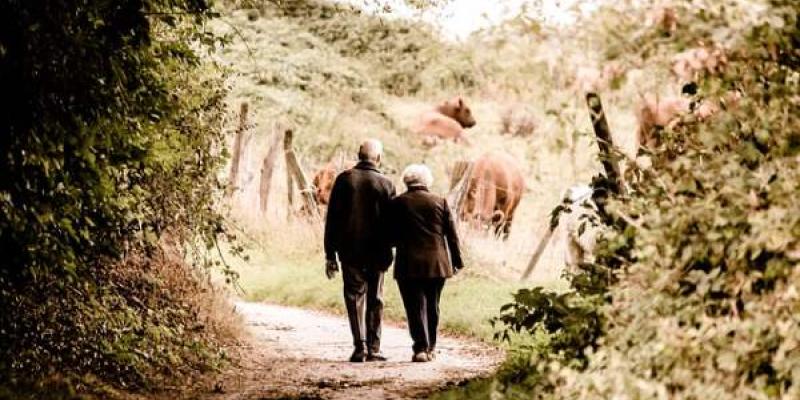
356	220
423	231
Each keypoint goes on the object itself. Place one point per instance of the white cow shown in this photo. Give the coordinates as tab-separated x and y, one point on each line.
579	227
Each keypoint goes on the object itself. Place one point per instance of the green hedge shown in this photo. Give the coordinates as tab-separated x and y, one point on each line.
111	130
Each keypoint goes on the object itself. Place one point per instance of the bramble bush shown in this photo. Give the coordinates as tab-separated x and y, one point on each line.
694	293
112	137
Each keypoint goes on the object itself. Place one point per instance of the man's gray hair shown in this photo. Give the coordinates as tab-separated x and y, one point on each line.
370	150
417	175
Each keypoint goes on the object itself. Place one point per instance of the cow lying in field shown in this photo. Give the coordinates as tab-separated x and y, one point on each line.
445	122
494	190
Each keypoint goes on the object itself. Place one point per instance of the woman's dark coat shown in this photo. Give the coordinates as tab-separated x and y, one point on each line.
424	233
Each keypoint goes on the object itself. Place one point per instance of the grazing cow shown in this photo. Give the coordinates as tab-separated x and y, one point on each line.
323	183
579	227
447	121
324	179
493	193
664	18
691	64
656	113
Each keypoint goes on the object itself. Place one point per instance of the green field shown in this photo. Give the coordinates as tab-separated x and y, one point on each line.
297	278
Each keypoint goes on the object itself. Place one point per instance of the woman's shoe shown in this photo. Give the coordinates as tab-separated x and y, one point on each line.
431	355
376	357
358	356
420	357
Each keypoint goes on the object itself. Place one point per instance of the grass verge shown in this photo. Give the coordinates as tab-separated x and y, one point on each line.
295	277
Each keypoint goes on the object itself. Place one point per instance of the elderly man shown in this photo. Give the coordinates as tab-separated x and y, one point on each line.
354	230
427	254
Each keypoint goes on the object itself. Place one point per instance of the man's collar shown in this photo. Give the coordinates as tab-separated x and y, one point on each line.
366	164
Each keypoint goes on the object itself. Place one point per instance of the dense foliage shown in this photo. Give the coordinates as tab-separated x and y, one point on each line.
419	60
111	141
694	293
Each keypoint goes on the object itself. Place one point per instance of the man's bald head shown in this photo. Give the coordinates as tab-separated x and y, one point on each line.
371	150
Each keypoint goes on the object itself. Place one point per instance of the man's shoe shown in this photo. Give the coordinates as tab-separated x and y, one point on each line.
358	356
376	357
432	355
420	357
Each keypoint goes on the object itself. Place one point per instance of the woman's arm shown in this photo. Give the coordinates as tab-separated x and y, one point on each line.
452	238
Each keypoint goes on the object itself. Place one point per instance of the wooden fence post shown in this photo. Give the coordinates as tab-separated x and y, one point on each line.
459	185
267	168
287	146
459	168
604	141
610	165
295	173
238	147
537	254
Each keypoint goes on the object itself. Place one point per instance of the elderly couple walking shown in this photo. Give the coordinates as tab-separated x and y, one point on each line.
364	221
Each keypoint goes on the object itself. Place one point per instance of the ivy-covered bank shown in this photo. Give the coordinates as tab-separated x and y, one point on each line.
111	137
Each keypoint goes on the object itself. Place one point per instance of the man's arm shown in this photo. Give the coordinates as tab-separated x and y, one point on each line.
386	221
452	238
334	217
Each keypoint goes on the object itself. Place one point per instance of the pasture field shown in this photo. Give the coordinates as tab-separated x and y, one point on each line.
276	62
286	258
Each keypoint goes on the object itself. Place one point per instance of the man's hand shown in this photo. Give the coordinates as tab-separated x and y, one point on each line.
331	268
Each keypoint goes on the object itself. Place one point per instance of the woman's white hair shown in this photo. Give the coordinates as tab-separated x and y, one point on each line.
417	175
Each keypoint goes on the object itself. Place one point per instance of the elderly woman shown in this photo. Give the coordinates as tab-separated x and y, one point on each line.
427	253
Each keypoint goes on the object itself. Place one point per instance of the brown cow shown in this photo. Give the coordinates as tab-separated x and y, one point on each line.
656	113
323	183
447	121
493	193
324	179
665	18
693	63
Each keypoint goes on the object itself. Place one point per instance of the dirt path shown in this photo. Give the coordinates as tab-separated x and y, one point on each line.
295	353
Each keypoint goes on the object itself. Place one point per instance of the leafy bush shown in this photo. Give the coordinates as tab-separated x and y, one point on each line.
112	138
420	62
699	294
